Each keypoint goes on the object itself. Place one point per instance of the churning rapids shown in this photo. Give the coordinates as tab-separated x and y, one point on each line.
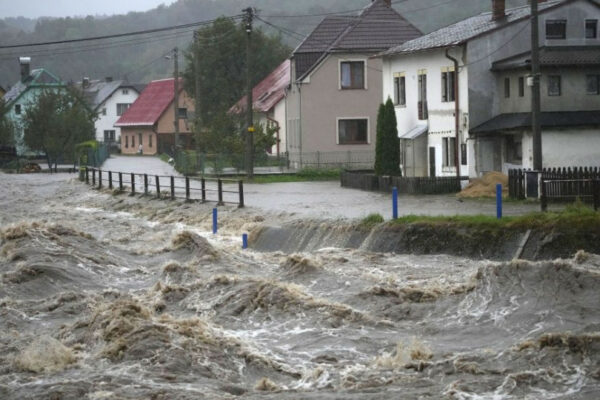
119	297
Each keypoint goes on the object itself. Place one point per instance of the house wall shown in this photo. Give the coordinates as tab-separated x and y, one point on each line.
130	136
485	96
279	115
315	105
166	122
107	122
441	122
575	147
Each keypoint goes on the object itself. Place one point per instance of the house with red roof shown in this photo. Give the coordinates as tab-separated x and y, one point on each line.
269	104
150	121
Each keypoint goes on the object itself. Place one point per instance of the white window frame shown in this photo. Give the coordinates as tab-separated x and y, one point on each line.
337	131
365	68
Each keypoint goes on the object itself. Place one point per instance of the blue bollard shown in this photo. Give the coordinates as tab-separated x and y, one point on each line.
499	201
214	220
395	203
245	241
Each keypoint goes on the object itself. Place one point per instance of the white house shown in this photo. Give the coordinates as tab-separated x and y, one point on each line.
110	99
478	118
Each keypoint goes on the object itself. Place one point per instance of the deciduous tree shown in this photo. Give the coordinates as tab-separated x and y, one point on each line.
7	132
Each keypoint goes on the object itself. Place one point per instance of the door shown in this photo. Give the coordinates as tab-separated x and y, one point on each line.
432	161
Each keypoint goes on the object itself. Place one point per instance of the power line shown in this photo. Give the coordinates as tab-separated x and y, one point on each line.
118	35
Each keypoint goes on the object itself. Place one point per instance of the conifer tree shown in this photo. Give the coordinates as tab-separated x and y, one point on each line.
387	146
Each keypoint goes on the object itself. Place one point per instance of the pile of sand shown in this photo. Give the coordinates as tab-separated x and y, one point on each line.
486	186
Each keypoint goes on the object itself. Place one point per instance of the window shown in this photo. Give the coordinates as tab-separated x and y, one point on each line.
125	91
591	28
150	140
514	150
140	138
104	111
592	84
521	86
556	29
507	87
353	131
422	98
554	85
352	75
400	90
449	152
132	140
182	113
463	153
121	108
109	136
126	141
18	109
448	86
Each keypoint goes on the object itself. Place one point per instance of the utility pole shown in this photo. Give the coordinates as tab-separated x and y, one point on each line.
176	98
535	89
198	119
249	111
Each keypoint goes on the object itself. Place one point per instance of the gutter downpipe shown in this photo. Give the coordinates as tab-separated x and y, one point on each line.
299	85
456	113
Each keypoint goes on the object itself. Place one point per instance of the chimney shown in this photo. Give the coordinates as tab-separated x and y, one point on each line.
498	8
25	63
85	83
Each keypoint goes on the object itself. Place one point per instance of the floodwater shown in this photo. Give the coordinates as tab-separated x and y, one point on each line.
119	297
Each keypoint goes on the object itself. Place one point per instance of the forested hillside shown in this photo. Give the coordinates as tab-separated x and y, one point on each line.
141	58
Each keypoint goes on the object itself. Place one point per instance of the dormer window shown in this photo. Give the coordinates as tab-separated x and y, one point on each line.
556	29
352	75
125	91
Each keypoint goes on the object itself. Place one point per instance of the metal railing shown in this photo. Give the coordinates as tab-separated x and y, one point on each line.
226	191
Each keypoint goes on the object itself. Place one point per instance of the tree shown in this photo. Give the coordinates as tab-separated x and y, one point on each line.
56	122
7	131
387	146
222	77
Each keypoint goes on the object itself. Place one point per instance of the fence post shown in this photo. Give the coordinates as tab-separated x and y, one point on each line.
245	241
203	190
99	179
146	184
220	188
93	177
157	180
499	201
110	182
395	202
543	198
187	188
596	193
132	183
214	221
241	192
172	187
87	175
120	181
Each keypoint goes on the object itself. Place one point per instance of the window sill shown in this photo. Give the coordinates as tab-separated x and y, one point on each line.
353	144
358	88
400	105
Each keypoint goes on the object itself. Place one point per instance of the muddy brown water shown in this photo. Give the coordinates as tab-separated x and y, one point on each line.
117	297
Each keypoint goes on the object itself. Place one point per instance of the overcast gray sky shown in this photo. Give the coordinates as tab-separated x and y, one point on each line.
64	8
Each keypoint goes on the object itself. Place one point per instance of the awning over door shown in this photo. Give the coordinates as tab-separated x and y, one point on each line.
414	132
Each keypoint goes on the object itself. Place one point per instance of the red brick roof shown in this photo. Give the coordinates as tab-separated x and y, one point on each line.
268	92
151	104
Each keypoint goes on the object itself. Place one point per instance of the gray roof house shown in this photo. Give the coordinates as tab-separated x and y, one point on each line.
336	87
488	56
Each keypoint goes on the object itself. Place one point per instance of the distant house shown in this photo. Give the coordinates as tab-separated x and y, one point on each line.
269	104
488	57
24	93
337	88
150	121
109	99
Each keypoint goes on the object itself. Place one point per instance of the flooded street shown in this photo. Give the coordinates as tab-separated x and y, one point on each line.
108	296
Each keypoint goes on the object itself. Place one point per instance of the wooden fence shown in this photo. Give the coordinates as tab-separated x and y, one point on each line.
367	180
223	191
558	184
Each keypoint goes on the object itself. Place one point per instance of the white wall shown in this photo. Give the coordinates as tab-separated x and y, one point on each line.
279	115
106	122
441	121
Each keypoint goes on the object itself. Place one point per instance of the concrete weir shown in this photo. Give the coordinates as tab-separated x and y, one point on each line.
423	238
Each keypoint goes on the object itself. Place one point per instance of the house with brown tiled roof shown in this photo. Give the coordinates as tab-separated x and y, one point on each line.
336	88
269	104
150	121
463	95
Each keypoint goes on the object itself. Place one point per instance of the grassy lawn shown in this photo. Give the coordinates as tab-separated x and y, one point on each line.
305	175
